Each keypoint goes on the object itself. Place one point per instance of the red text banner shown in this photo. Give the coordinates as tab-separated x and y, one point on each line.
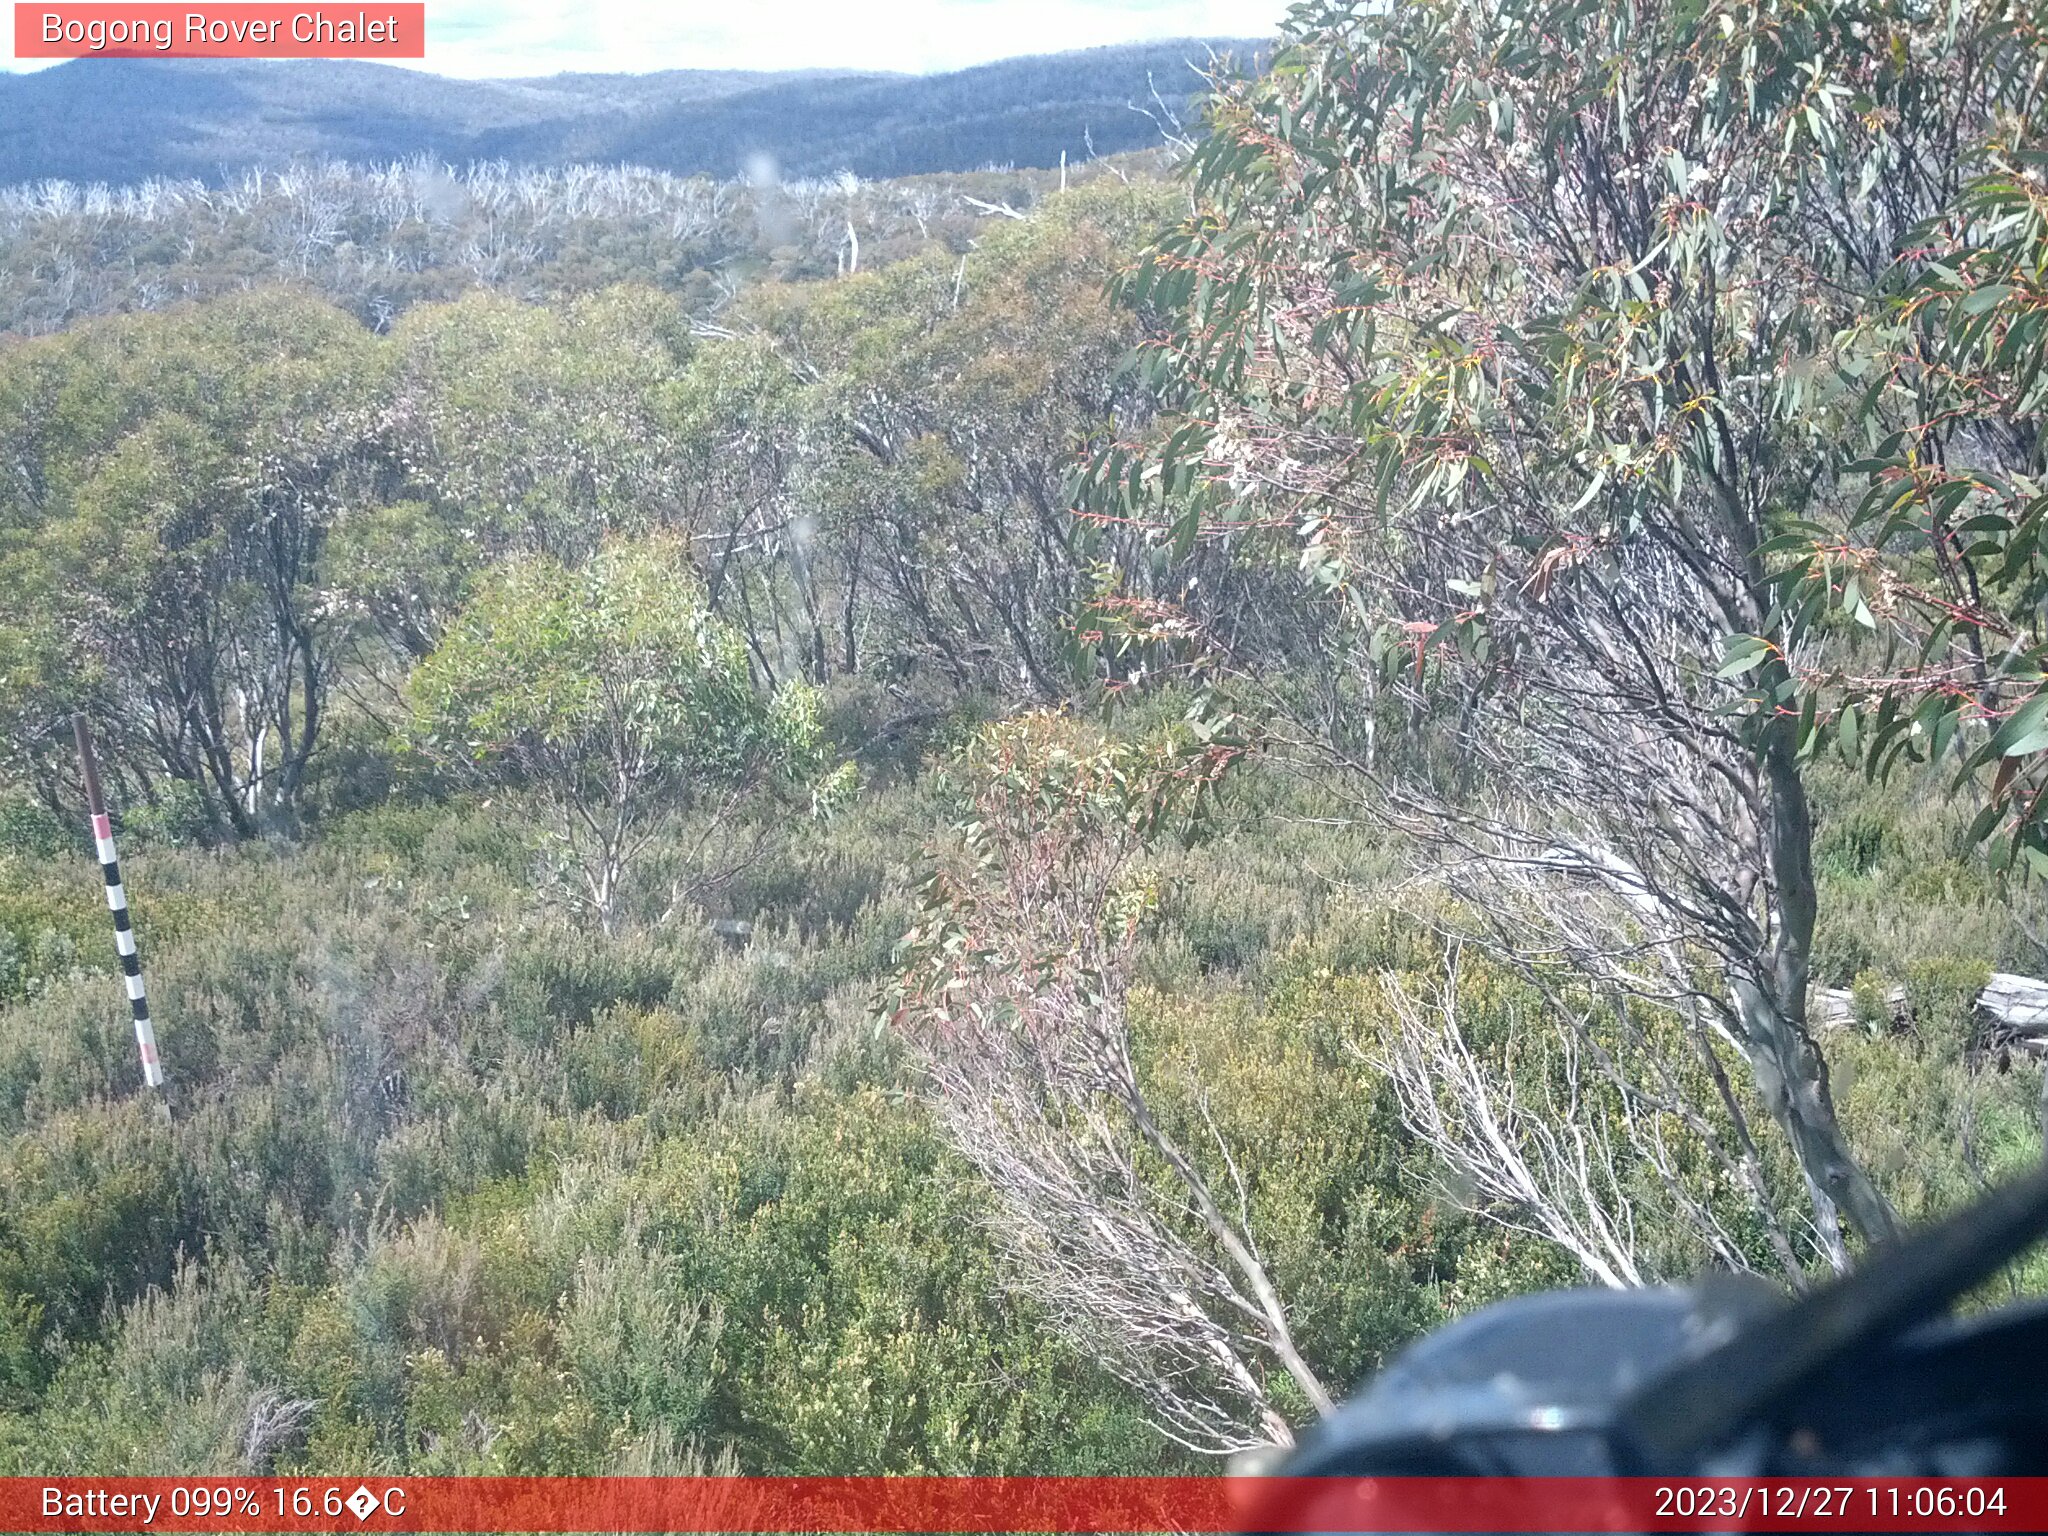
937	1504
233	31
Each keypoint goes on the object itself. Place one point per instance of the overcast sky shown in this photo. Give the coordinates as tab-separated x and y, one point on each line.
545	37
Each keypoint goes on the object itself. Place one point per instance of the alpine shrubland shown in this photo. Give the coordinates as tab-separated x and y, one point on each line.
1032	859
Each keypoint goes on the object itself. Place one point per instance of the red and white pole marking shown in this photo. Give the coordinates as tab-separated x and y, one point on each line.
117	903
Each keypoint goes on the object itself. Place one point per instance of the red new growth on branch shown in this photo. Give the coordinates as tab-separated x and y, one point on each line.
237	31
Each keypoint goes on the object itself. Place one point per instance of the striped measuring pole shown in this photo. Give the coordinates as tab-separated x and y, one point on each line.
117	903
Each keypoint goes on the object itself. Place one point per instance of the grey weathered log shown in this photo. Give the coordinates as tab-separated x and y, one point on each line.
2012	1011
1835	1007
2018	1003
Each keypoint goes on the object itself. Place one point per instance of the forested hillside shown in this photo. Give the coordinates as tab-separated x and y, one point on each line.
1029	850
126	120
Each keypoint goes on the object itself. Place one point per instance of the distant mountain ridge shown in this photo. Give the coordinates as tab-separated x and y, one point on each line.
126	120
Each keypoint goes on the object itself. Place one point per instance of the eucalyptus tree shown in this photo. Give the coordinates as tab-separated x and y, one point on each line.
170	490
1016	989
608	691
893	453
1938	554
1526	322
539	427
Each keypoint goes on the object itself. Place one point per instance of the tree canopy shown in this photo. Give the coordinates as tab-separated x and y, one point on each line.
611	690
1541	327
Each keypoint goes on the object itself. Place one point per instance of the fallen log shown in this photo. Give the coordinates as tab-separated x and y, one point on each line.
2016	1004
2012	1013
1835	1008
